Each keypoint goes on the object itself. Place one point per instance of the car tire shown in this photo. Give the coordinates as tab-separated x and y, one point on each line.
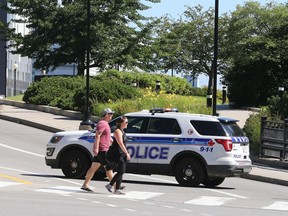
189	172
74	164
212	182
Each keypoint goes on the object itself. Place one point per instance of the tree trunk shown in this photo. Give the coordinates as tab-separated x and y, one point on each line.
209	91
81	68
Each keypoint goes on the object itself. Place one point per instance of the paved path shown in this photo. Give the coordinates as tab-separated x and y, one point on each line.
53	123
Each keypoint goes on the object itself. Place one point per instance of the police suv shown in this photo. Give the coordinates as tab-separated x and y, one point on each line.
196	149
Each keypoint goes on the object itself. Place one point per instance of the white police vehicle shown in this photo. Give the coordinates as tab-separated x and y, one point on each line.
194	148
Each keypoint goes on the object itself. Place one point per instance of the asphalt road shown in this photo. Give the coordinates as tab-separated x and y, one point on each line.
29	187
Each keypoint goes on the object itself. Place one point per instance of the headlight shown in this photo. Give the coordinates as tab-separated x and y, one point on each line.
56	139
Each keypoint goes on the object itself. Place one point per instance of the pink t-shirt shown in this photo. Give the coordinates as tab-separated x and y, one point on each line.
105	138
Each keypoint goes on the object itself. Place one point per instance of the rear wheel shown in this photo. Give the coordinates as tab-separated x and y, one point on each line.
212	182
189	172
74	164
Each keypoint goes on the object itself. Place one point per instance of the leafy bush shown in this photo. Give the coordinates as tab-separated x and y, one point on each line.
53	91
103	92
252	129
173	85
114	88
278	106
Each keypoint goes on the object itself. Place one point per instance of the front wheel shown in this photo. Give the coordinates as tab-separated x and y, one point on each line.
74	164
189	172
212	182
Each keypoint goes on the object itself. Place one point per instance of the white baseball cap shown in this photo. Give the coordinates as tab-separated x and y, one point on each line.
107	111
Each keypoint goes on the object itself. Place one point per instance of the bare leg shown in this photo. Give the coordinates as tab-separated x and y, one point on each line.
90	173
109	174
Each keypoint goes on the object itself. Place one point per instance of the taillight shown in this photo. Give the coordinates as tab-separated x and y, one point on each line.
227	144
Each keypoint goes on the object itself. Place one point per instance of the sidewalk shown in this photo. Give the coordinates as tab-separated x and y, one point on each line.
265	170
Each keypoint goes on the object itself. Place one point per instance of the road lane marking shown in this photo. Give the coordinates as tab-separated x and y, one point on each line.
33	173
15	179
20	150
226	193
210	201
6	184
278	205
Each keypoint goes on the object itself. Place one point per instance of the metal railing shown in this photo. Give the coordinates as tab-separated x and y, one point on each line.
274	139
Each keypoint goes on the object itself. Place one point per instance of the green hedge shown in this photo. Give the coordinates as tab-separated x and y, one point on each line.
252	130
54	91
110	86
103	92
170	85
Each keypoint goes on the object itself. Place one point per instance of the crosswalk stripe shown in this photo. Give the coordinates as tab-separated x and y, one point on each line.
63	190
278	205
210	201
144	195
139	195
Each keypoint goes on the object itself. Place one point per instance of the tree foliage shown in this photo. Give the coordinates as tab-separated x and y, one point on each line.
57	32
256	46
187	45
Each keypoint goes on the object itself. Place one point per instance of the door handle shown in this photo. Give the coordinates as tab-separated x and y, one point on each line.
176	140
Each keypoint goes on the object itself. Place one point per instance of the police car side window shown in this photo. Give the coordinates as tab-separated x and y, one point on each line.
163	126
208	128
137	124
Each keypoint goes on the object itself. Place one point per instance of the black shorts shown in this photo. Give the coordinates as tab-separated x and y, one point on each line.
101	158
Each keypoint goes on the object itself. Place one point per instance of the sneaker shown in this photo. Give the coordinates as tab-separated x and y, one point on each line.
118	192
109	188
87	189
122	187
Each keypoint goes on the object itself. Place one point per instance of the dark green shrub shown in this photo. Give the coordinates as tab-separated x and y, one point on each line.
199	91
104	91
173	85
54	91
252	129
279	106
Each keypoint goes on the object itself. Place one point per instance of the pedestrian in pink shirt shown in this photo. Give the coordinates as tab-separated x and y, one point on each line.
102	143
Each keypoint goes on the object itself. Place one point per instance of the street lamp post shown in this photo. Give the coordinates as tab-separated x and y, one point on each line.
215	57
86	123
15	67
281	91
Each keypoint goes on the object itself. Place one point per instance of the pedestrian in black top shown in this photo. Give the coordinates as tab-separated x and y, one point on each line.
118	155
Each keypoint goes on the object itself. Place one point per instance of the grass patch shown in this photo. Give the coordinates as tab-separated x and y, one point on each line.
16	98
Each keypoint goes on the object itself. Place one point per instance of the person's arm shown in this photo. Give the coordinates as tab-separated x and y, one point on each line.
96	142
118	136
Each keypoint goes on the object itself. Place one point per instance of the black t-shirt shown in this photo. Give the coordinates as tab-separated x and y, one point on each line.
115	144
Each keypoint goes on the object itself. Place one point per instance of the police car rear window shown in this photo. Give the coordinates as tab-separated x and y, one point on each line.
233	129
208	128
163	126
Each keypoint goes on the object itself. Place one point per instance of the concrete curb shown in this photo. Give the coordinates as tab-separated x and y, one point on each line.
30	123
43	108
48	109
266	179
